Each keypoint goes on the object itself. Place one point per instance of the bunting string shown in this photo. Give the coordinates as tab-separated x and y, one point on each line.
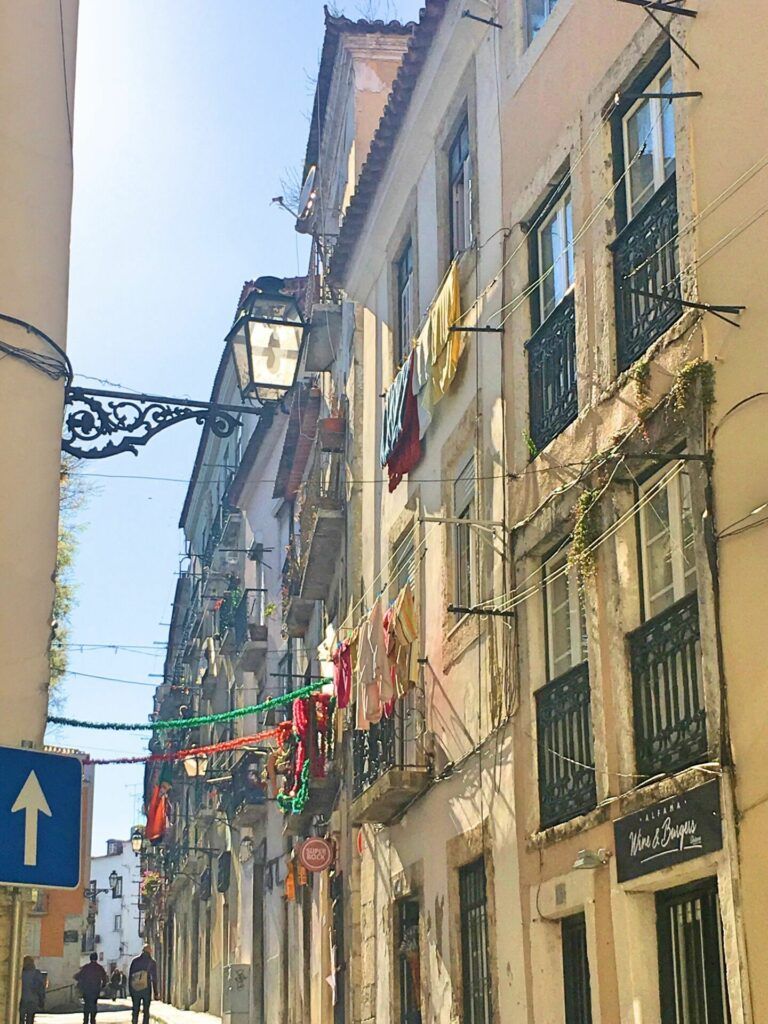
193	723
182	755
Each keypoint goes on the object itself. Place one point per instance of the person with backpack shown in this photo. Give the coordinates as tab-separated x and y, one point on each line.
32	991
91	978
142	984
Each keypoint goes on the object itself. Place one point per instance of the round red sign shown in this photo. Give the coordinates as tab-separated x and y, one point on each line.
316	854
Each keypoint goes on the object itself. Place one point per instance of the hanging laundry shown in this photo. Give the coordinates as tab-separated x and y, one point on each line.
406	454
374	684
342	674
406	632
446	345
394	411
421	384
157	811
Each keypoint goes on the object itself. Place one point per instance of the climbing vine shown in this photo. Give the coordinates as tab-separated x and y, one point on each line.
697	371
586	530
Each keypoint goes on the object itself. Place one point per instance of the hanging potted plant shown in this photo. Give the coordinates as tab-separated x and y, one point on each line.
332	431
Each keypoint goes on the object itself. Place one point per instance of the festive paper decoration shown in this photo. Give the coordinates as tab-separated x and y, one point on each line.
193	723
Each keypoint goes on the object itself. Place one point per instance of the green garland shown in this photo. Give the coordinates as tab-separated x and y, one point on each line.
192	723
296	802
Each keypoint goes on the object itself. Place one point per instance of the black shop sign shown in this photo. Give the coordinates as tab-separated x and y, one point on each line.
671	832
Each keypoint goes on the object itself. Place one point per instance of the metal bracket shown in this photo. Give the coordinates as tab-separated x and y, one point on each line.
475	610
99	424
707	307
661	5
475	330
483	21
479	524
658	95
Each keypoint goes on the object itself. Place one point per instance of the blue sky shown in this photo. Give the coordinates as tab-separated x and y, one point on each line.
187	116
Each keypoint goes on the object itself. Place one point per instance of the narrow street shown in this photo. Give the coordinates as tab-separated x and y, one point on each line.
118	1011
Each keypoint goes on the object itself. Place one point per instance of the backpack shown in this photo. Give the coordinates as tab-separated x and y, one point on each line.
139	981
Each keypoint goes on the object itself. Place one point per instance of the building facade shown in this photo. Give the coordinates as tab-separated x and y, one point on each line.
116	927
35	205
501	505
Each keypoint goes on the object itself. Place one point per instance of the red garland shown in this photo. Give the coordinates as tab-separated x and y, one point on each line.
180	755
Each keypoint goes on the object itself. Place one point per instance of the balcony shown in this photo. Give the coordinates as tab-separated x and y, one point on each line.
646	276
552	398
388	771
246	799
324	337
224	533
565	753
297	610
249	626
669	714
323	542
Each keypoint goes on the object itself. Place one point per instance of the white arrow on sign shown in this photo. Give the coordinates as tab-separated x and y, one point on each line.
32	800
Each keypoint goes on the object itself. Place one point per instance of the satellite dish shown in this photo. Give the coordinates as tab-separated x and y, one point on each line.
308	195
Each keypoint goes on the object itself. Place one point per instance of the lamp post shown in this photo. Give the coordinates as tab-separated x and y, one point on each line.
91	891
264	343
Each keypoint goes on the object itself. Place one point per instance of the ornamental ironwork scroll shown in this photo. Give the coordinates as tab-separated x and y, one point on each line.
99	424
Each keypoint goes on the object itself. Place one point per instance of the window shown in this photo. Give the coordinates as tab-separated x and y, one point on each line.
408	961
565	618
691	964
649	143
666	536
464	508
402	565
578	996
460	178
405	302
118	922
555	255
475	957
117	892
114	847
537	12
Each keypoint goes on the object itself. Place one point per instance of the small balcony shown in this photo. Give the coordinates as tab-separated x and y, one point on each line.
388	771
324	336
565	752
323	544
246	799
646	276
249	625
297	610
552	398
669	713
224	533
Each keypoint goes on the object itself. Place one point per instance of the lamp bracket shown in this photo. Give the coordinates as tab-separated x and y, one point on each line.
99	424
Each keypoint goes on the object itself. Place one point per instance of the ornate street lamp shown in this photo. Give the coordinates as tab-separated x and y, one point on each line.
266	340
137	839
264	343
196	766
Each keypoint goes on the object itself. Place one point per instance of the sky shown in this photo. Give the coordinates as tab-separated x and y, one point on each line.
188	115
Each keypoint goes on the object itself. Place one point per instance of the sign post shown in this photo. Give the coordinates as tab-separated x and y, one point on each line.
40	818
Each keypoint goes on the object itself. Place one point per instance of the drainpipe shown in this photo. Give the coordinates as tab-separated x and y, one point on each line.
14	964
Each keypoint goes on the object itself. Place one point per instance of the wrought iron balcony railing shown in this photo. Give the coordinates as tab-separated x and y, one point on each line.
669	713
389	764
646	275
374	751
565	751
249	616
552	398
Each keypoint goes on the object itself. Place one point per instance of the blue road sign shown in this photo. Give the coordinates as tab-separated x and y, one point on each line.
40	819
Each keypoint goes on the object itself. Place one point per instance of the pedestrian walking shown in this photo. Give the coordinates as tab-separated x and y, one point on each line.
32	991
91	978
117	984
142	984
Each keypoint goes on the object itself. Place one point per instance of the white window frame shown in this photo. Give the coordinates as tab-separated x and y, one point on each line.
405	301
402	561
463	536
118	923
460	189
562	215
656	136
548	9
681	585
576	613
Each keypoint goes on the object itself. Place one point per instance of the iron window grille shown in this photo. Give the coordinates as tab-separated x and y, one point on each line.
374	751
646	276
576	985
692	982
645	252
669	713
565	749
475	954
408	961
552	390
460	183
405	301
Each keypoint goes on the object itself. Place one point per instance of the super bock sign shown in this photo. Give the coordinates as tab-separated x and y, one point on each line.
675	830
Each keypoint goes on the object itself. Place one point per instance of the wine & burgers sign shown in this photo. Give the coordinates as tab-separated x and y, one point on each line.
678	829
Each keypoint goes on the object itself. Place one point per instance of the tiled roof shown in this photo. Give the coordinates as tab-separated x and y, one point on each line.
335	27
385	138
